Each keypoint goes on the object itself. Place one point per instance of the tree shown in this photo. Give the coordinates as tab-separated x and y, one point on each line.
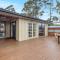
52	9
10	8
58	7
55	18
34	8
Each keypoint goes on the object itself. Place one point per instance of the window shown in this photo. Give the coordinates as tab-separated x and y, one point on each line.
34	29
1	26
41	29
30	29
2	29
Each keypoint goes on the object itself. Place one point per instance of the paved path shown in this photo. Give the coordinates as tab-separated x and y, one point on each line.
37	49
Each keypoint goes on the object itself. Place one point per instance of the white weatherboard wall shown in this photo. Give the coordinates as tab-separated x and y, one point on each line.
22	29
46	30
17	30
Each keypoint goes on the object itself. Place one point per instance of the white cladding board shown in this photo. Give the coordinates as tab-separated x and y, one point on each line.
22	29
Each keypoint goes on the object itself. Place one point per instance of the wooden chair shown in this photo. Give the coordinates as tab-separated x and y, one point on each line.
56	35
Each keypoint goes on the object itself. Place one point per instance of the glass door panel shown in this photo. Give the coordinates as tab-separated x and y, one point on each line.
2	30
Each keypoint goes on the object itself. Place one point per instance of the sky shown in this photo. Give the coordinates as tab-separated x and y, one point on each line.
18	5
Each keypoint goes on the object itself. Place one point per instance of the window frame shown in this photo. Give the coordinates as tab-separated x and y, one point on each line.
34	29
30	29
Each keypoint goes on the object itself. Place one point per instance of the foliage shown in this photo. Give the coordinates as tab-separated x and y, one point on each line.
34	8
53	24
55	18
58	7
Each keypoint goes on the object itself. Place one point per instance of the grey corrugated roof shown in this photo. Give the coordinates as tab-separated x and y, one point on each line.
3	10
14	13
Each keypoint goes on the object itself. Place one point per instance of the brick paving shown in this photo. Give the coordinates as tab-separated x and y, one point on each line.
35	49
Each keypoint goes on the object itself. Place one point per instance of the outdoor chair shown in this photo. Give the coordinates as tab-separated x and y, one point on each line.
56	35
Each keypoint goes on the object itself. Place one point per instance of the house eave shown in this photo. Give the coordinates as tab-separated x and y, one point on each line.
7	13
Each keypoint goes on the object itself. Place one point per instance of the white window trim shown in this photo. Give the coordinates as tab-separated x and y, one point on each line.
32	29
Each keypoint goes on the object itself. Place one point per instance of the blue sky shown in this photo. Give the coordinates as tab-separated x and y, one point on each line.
18	5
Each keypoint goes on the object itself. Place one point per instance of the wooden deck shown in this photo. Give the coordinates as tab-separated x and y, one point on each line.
35	49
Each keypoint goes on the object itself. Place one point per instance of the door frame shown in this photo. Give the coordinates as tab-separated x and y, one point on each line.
11	32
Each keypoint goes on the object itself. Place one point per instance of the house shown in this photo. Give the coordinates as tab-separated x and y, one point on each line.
54	27
19	27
